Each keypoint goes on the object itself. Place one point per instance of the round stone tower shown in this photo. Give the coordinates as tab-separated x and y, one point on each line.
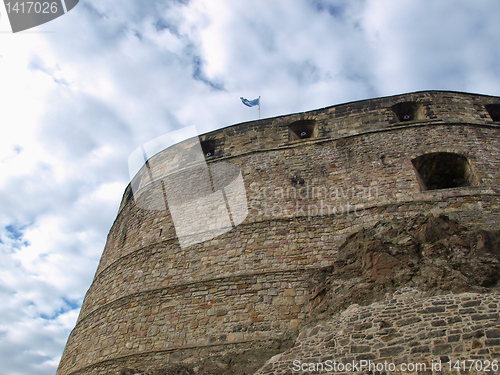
288	191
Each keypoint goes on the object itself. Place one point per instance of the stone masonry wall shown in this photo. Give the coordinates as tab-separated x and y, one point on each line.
305	197
337	173
407	329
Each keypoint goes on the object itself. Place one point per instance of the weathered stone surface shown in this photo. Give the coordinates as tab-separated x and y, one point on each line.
415	349
335	220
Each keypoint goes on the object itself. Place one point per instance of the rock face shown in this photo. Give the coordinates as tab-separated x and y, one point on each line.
431	254
345	206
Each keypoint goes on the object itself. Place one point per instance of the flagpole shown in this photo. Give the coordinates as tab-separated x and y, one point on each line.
259	107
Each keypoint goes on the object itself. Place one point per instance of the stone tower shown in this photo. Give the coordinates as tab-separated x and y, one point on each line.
310	180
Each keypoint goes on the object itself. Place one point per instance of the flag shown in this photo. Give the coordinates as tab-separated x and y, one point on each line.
250	103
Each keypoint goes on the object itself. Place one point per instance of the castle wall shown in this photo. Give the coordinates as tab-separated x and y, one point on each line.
253	283
443	334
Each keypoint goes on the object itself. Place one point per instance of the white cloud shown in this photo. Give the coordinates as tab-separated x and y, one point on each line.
108	76
433	45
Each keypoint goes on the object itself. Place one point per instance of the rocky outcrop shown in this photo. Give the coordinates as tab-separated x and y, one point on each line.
432	254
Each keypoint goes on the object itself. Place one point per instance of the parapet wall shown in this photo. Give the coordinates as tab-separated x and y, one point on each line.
151	298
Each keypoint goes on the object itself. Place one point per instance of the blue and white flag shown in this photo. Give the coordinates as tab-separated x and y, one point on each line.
250	103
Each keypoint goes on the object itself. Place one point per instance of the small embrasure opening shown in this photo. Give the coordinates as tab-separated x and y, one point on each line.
408	111
208	148
443	170
493	111
302	129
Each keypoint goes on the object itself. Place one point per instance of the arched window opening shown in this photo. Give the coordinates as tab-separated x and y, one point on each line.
408	111
443	170
208	148
302	129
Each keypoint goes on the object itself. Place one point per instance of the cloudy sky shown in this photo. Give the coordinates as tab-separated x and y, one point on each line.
80	93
